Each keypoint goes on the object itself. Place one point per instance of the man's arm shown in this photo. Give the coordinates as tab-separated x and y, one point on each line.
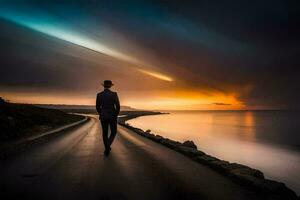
98	104
117	104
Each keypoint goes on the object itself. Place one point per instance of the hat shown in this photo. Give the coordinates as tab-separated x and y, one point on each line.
107	83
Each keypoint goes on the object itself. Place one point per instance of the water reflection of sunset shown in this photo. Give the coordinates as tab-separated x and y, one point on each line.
238	136
249	126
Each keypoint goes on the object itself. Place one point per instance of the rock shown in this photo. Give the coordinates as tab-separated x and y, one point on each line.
188	151
170	143
219	165
159	138
150	136
205	159
189	143
238	168
277	189
148	131
156	138
138	131
247	171
273	189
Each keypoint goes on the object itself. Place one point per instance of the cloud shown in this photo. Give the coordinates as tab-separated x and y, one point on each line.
53	26
248	50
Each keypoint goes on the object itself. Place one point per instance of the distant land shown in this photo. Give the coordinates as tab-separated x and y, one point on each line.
79	108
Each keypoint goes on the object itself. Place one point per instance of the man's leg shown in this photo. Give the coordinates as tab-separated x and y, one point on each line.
113	130
104	125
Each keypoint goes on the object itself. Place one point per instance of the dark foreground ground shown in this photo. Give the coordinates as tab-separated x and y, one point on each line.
72	166
22	120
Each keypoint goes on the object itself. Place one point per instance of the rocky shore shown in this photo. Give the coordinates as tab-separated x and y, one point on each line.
240	173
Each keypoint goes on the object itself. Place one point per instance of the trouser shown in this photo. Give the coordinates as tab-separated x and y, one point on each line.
112	124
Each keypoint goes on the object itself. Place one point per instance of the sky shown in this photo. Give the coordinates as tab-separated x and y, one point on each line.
220	55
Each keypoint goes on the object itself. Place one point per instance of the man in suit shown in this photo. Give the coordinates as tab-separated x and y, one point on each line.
108	107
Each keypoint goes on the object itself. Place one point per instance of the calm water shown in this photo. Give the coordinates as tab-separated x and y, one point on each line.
266	140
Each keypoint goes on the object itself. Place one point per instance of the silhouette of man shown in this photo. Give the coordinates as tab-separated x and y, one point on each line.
108	107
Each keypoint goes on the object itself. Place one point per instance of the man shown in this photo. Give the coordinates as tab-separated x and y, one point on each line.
108	107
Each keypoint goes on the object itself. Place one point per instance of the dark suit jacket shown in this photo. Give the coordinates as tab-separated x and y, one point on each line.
108	105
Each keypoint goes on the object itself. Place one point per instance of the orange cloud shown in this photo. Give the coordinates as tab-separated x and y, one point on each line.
180	100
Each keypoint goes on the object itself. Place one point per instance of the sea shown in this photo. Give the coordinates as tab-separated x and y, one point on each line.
265	140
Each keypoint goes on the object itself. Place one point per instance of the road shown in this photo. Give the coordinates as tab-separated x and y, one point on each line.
73	166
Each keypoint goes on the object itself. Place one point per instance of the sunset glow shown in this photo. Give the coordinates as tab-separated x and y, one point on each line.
156	56
182	100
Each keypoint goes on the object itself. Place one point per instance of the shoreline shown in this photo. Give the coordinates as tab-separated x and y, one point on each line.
237	172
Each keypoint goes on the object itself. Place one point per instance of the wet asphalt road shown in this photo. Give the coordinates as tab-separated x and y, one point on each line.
73	166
